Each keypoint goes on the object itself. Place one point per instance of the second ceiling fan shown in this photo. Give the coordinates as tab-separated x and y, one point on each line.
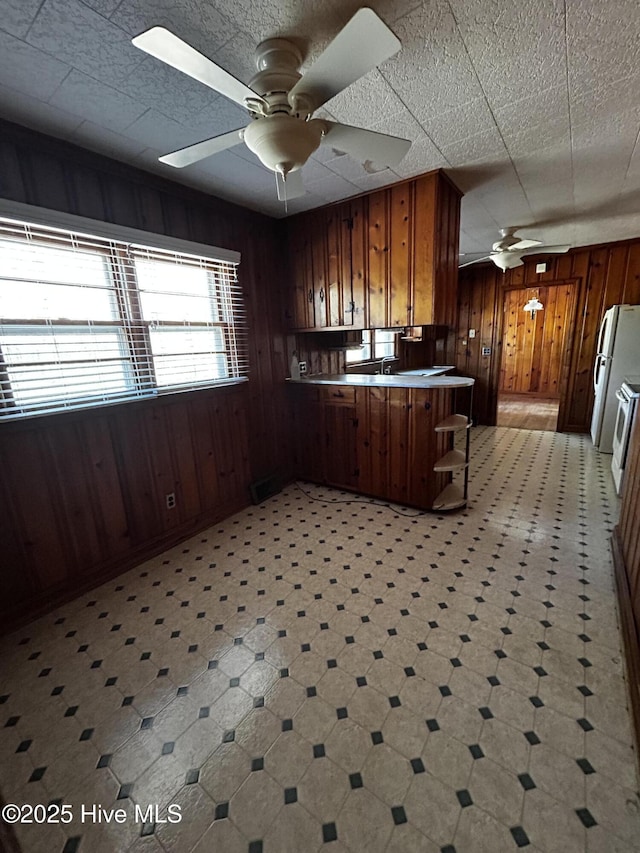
508	252
280	101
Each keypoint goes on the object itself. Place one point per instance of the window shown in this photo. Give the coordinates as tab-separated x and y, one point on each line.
376	343
86	320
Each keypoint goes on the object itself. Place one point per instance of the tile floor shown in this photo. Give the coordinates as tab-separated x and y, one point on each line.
323	674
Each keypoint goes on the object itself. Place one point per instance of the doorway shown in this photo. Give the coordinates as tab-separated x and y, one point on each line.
535	351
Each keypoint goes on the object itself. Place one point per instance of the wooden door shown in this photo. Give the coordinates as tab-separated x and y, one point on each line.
535	348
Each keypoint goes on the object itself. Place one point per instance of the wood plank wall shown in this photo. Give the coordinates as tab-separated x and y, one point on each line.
82	494
605	275
535	346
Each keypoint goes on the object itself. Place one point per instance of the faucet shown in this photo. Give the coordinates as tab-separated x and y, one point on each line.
383	369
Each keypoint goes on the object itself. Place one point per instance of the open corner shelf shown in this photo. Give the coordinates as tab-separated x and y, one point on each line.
454	495
451	497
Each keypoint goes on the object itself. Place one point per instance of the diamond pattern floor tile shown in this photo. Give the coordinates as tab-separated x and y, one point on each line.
324	671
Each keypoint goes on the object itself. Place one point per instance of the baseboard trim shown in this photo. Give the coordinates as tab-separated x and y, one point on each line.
25	611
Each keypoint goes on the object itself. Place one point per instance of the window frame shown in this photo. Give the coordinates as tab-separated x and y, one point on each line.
129	317
369	348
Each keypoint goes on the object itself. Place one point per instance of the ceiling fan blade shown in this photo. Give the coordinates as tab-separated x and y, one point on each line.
290	186
193	153
542	250
361	45
168	48
476	261
525	244
366	145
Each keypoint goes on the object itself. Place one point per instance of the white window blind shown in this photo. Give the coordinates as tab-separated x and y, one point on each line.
87	320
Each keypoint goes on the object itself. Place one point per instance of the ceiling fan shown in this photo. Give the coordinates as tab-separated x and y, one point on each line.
281	102
508	252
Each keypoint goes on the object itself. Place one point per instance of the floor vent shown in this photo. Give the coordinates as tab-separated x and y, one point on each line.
262	489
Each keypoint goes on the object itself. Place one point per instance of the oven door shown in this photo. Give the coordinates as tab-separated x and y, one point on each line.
621	433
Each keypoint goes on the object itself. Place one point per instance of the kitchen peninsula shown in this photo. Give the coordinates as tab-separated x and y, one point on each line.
387	436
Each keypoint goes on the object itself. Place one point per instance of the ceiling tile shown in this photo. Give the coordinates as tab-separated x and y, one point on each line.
515	48
28	70
602	42
169	91
85	40
106	141
17	15
21	108
432	73
366	102
313	23
472	77
423	156
105	7
332	187
536	122
200	24
157	131
98	103
481	147
461	122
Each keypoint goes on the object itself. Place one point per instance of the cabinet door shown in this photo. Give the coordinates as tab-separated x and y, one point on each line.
422	283
356	260
378	258
400	255
308	434
338	266
425	445
341	445
300	248
398	430
320	264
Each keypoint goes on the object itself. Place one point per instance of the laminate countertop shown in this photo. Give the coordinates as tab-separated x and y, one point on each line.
392	380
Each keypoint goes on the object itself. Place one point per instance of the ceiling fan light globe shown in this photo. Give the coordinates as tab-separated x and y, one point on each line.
283	142
506	260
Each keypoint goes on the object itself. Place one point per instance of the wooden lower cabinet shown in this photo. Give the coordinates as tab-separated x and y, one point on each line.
376	441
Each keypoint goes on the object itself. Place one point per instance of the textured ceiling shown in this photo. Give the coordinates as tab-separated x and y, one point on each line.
532	107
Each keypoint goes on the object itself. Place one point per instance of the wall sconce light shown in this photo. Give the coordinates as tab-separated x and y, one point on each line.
534	305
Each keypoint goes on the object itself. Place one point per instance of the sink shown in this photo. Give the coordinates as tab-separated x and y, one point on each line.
436	370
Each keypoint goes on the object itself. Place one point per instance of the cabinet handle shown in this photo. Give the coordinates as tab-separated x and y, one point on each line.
322	294
310	295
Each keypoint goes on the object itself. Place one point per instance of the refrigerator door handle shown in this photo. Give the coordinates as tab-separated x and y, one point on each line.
596	372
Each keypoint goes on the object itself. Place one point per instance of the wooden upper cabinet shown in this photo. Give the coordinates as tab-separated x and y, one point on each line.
327	269
382	260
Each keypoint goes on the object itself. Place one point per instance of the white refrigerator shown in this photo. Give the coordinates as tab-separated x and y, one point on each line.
618	353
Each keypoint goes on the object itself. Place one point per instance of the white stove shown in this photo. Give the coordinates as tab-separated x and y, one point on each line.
627	396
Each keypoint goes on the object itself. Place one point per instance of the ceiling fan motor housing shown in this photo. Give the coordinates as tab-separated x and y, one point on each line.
282	142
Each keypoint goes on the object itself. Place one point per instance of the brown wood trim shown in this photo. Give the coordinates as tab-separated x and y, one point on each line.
630	637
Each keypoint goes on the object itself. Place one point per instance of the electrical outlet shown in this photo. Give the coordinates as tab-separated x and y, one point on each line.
303	367
171	500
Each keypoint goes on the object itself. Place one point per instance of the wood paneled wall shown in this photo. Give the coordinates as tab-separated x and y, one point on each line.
83	494
604	275
626	553
535	346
